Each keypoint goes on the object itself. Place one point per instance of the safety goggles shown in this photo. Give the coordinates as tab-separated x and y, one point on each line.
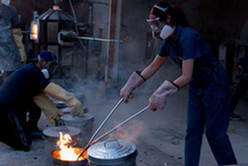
51	66
150	20
154	23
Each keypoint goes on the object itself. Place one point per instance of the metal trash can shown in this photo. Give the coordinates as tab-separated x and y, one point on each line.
85	124
112	153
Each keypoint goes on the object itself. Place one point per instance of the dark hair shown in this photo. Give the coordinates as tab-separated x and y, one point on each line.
176	13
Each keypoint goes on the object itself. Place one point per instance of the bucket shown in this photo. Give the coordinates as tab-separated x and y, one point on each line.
57	162
51	136
85	124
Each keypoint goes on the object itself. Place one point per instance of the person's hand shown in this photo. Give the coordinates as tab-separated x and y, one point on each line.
134	81
53	115
60	93
47	107
158	98
76	107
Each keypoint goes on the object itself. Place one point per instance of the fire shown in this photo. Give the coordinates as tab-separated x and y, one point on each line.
56	7
35	32
66	151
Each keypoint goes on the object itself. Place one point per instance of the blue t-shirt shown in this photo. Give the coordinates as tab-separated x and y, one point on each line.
187	43
21	86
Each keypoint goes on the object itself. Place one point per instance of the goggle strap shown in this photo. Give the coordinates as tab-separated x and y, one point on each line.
160	8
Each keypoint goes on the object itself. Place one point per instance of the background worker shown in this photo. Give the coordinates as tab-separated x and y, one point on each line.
9	57
209	97
26	85
242	86
12	50
18	36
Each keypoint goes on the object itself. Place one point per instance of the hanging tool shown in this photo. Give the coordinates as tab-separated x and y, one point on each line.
66	38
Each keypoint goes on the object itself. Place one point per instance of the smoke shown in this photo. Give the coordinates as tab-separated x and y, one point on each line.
130	132
100	98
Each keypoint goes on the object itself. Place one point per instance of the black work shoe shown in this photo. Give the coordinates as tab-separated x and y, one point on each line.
234	117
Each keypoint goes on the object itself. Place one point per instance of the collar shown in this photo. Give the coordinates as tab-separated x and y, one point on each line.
177	32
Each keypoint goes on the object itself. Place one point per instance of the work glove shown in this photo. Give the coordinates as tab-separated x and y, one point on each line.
134	81
158	98
59	93
18	40
48	107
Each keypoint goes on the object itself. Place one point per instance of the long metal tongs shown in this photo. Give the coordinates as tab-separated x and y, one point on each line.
99	128
120	124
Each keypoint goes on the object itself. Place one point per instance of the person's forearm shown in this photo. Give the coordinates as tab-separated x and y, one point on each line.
182	81
153	67
148	72
187	72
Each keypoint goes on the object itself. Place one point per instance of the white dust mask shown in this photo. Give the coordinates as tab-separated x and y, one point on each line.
166	31
45	73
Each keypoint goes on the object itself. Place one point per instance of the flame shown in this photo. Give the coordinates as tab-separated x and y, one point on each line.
67	152
56	7
35	31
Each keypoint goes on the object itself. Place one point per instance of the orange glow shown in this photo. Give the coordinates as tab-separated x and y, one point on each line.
66	151
35	31
55	7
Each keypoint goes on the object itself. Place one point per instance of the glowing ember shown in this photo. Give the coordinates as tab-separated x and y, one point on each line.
66	151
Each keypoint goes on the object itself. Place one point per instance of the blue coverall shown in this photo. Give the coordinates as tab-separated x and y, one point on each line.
209	97
16	97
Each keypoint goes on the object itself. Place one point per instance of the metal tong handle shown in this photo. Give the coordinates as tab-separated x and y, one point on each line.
122	123
99	128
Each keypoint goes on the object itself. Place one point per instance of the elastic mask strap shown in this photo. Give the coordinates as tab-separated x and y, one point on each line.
49	63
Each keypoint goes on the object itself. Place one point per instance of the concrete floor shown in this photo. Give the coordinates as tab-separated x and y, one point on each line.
159	136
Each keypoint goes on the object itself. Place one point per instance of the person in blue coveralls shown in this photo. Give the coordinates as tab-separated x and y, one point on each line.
25	87
209	94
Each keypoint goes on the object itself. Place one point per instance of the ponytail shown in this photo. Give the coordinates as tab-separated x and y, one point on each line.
178	16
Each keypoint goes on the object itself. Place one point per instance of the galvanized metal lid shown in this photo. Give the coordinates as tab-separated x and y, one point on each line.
54	131
112	151
65	110
72	118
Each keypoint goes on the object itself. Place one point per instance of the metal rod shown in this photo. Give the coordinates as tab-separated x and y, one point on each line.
122	123
98	39
99	128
